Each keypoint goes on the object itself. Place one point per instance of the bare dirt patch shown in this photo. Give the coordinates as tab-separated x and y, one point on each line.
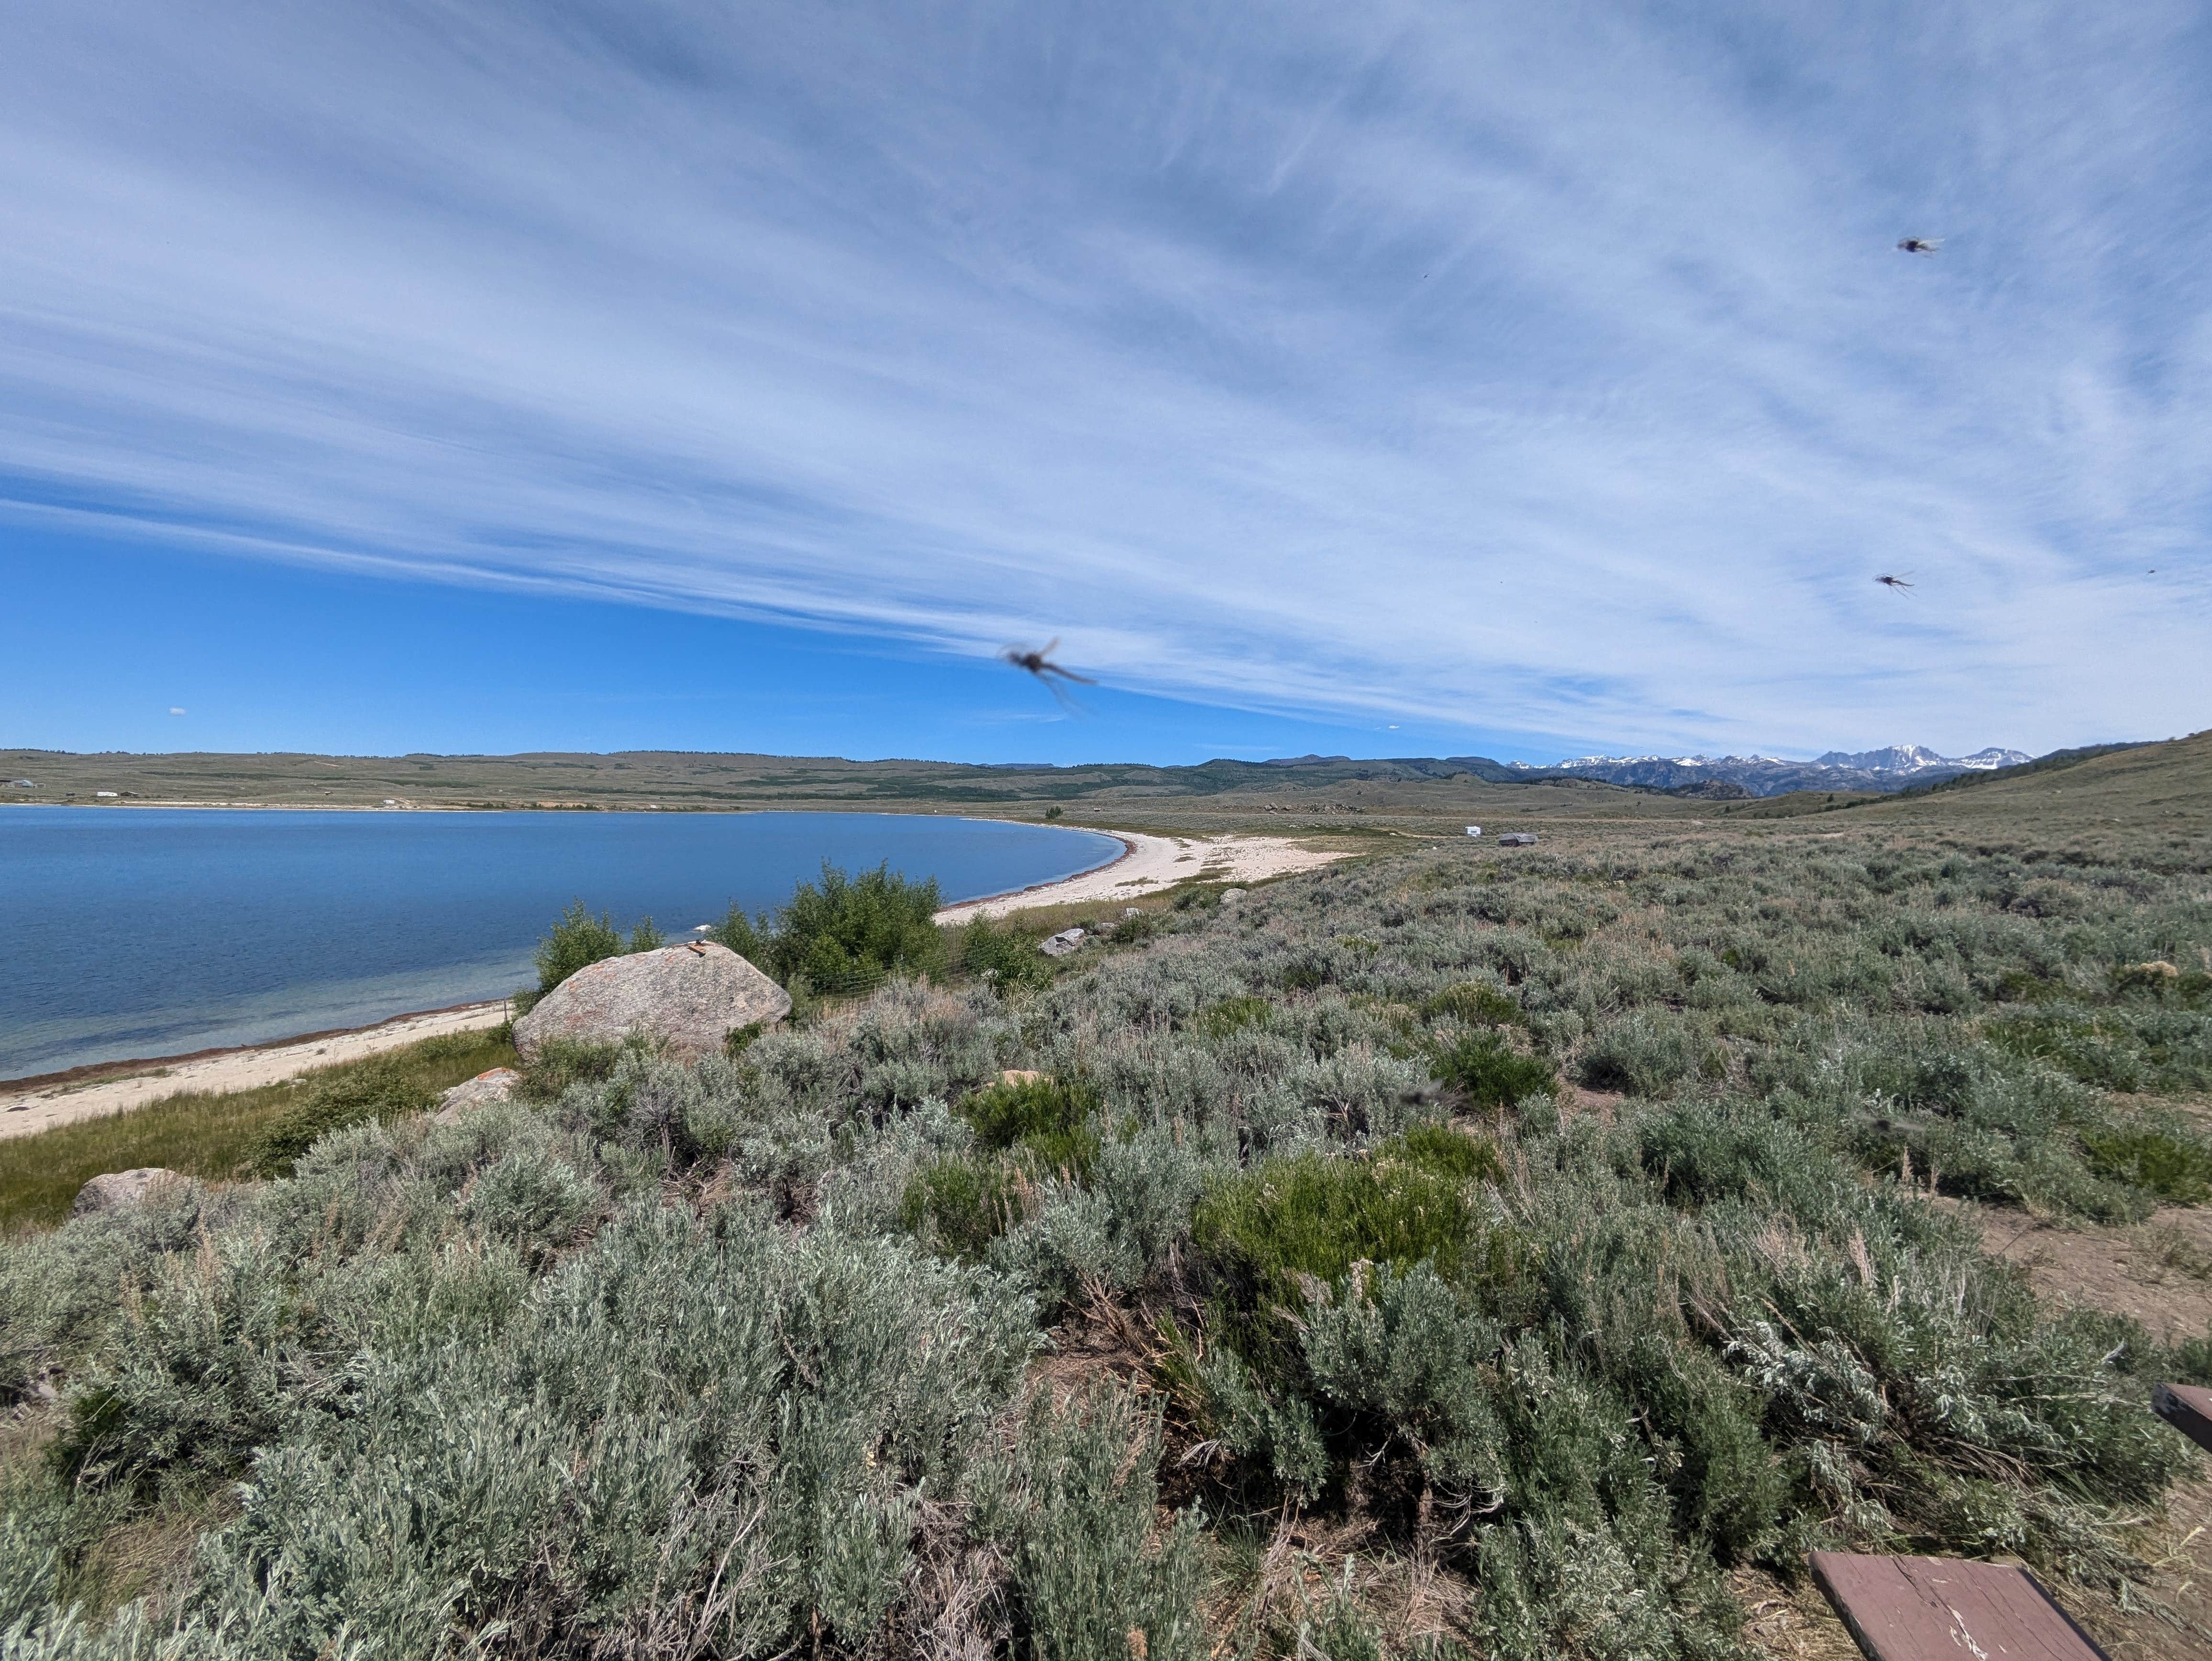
2159	1271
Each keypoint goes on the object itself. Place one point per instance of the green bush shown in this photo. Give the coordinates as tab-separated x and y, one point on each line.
578	940
1233	1015
1003	955
560	1062
1491	1074
1476	1004
746	935
380	1088
1271	1233
1048	1120
961	1203
2173	1164
851	932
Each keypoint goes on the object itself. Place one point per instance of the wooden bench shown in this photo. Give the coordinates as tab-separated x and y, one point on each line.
2187	1409
1941	1608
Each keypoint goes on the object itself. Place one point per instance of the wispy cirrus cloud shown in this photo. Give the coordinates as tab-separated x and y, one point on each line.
1549	371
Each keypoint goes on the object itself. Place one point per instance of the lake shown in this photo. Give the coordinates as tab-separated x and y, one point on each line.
136	932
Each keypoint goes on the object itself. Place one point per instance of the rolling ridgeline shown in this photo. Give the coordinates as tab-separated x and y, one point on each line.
1457	1251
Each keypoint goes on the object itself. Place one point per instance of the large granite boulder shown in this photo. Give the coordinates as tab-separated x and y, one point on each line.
122	1190
690	998
495	1085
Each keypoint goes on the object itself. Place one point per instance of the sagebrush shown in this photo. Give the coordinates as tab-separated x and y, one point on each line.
1560	1231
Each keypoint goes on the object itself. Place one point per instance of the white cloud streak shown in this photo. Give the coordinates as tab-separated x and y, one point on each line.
1543	369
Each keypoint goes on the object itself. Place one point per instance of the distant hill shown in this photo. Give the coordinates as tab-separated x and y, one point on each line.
2168	784
1337	791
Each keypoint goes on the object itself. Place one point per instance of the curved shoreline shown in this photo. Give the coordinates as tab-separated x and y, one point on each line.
1150	864
28	1106
1146	864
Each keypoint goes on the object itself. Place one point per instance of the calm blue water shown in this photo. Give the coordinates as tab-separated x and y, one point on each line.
129	932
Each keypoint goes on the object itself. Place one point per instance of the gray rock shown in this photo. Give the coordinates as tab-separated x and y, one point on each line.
690	998
1517	839
1230	896
495	1086
121	1190
1060	945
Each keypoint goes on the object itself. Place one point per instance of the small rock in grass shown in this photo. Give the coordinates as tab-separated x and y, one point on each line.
1019	1075
121	1190
495	1086
1230	896
1060	945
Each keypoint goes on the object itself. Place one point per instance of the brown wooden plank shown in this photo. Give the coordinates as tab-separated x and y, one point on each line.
2187	1409
1941	1608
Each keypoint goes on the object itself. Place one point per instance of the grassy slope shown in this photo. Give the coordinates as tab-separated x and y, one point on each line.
2150	789
201	1134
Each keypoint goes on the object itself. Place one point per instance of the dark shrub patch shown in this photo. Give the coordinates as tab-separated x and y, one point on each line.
560	1062
1491	1074
1045	1120
381	1090
1286	1219
850	932
962	1204
2172	1166
1477	1005
1005	956
1219	1020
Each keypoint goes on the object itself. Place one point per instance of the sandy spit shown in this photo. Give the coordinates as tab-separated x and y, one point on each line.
29	1107
1152	863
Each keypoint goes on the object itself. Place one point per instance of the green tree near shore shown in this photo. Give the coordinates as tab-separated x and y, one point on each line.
847	934
578	940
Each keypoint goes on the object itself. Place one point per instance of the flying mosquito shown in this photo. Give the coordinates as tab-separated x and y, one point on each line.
1896	582
1918	244
1040	664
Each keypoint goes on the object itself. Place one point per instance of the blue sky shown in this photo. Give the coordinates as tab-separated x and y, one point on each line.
1412	378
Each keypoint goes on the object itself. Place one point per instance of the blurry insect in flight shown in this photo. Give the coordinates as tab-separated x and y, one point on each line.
1918	244
1897	581
1040	664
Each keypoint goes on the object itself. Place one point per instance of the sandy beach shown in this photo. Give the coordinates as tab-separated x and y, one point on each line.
1153	863
1150	864
27	1106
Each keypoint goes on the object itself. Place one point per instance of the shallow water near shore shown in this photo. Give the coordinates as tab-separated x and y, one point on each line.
134	932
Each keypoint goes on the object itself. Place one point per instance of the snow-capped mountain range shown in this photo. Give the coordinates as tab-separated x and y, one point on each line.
1891	769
